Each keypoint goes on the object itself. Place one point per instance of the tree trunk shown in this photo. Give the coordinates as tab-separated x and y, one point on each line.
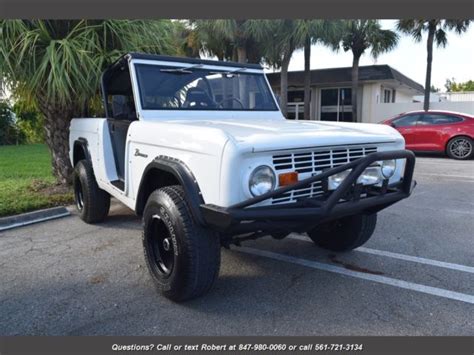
307	78
242	54
355	85
284	85
242	82
85	109
429	60
56	123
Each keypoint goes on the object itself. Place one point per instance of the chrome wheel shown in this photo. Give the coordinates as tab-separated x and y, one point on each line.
460	148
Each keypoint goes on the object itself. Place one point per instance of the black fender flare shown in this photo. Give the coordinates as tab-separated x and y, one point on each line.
81	143
183	175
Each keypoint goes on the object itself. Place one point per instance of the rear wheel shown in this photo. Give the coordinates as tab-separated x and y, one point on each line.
344	234
92	202
460	148
183	258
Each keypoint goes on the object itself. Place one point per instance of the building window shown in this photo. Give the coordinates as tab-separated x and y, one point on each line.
394	92
296	96
296	104
336	104
387	95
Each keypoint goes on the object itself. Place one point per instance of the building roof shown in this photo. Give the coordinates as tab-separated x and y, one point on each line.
331	76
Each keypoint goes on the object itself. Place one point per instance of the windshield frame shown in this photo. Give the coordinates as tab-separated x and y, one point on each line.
148	112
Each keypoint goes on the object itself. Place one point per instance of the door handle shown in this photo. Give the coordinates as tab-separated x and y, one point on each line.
138	154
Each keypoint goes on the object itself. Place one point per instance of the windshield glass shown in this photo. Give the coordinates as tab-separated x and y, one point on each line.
193	88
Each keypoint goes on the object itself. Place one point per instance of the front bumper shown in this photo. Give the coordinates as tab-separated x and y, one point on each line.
348	199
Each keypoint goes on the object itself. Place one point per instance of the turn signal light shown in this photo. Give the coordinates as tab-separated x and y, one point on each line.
288	178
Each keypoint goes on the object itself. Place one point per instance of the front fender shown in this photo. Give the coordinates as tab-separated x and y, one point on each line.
183	175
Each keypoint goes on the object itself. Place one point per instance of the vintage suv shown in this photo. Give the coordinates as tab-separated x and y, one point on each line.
201	151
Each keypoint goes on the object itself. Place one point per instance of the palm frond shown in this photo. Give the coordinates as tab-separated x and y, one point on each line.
362	35
62	59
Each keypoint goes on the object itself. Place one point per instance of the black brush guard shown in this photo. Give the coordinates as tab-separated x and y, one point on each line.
348	199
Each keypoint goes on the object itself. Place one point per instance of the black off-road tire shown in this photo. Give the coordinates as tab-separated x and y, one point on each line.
465	148
344	234
183	257
92	202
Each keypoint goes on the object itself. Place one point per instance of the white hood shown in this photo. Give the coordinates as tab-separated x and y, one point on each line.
273	134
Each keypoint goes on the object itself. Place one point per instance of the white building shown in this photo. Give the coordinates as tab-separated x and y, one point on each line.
331	92
458	96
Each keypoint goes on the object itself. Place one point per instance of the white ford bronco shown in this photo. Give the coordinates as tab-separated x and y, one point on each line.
201	151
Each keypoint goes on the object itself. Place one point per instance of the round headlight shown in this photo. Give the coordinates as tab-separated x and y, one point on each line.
388	168
335	180
369	176
262	180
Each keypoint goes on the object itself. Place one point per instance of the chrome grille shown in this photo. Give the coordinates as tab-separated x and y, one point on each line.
310	161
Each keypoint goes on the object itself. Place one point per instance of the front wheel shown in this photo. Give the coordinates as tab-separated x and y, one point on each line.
460	148
344	234
183	258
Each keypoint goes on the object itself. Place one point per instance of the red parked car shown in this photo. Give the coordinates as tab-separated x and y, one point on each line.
437	131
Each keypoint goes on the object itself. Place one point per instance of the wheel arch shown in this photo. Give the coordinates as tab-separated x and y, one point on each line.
80	151
166	171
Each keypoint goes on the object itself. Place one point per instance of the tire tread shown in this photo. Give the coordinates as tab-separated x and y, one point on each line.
202	248
357	231
96	201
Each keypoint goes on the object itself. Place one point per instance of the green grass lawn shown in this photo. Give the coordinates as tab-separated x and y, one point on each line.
26	182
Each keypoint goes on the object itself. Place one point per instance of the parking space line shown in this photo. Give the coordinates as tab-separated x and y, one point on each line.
415	259
444	162
449	210
447	176
435	291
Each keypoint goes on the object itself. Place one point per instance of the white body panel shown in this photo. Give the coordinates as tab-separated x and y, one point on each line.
221	153
221	148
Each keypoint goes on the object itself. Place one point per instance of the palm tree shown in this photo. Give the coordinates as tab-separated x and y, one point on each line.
437	31
234	31
56	64
187	40
359	36
210	42
327	32
278	40
229	39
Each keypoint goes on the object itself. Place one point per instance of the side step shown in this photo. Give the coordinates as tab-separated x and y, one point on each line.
119	184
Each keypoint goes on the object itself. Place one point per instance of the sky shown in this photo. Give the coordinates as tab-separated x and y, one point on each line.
409	57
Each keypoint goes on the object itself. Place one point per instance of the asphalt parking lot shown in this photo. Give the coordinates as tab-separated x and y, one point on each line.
414	277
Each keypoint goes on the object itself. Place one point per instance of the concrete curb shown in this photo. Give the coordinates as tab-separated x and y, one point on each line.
25	219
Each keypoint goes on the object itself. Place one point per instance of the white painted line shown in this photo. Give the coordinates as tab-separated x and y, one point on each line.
459	163
448	210
418	260
447	176
435	291
415	259
461	180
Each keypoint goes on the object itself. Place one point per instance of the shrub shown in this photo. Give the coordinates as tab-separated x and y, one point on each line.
9	132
